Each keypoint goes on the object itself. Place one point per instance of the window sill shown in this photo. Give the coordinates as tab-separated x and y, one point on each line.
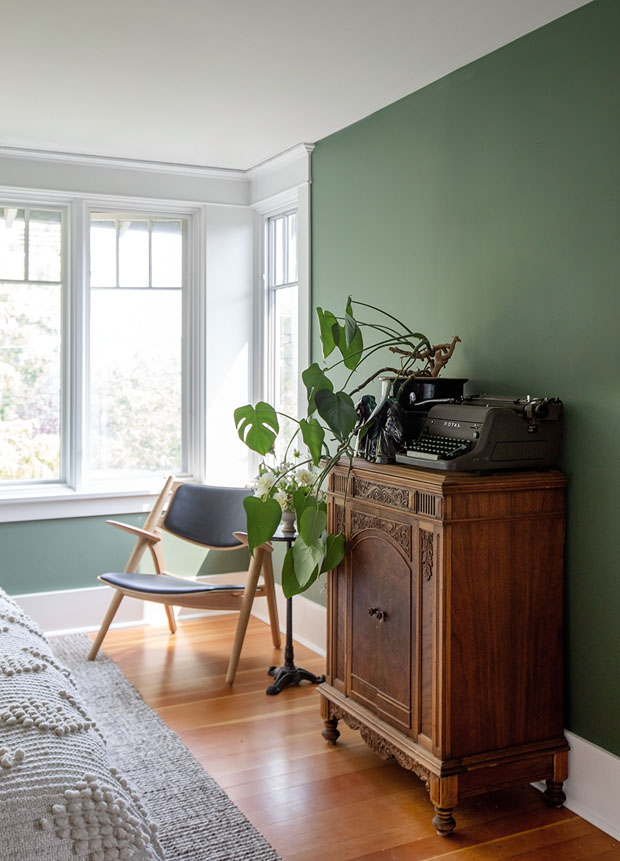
55	502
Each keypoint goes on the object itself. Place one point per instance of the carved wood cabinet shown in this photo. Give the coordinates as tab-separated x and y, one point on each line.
445	626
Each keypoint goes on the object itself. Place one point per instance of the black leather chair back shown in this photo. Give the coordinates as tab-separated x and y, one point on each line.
207	515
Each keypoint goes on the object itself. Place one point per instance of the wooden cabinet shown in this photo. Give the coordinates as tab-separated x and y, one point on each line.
445	626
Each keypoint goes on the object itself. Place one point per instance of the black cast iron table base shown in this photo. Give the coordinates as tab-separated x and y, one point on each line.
287	676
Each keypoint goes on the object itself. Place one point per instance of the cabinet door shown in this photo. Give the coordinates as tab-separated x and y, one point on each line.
382	621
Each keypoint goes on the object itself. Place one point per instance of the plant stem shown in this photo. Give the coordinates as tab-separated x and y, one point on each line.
398	373
396	320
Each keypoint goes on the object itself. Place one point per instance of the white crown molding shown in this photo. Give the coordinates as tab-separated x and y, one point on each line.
276	163
296	153
124	163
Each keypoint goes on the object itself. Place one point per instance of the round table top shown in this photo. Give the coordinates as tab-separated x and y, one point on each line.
284	535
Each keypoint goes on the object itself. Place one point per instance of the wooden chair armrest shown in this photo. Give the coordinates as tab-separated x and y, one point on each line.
135	530
243	538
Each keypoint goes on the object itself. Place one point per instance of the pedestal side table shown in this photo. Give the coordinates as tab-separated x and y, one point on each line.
289	674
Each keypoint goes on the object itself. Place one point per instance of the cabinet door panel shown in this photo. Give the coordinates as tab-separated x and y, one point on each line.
381	641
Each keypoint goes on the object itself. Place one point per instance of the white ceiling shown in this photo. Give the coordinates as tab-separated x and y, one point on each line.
229	83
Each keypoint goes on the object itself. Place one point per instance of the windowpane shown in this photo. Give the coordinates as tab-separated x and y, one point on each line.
103	254
135	382
292	248
285	358
278	252
44	246
133	254
167	254
12	244
30	365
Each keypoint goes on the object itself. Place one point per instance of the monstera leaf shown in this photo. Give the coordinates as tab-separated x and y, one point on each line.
257	426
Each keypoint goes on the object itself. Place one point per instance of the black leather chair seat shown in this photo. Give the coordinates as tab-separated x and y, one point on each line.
164	584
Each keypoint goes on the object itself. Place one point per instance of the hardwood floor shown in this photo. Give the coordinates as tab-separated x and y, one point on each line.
311	800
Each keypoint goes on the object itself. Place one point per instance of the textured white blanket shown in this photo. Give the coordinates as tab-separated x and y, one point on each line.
59	797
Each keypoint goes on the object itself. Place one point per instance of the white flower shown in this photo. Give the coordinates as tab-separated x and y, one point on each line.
262	485
282	497
304	477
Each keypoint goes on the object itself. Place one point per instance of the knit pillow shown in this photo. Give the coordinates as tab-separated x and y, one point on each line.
59	796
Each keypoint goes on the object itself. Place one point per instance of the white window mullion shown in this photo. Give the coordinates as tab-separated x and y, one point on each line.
195	349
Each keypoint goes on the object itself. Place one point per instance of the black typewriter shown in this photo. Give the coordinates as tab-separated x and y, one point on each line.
484	433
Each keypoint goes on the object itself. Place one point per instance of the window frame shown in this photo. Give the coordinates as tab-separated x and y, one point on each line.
271	290
298	200
29	202
70	496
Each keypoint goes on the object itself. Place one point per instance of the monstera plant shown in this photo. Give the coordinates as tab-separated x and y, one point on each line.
331	430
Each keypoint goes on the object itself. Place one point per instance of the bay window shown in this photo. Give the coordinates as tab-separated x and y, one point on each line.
98	324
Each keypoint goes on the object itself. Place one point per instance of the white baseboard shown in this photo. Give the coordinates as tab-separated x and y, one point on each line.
592	789
309	620
593	785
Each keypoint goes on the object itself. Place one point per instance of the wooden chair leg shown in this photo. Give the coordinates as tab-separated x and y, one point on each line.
244	614
107	619
172	622
271	600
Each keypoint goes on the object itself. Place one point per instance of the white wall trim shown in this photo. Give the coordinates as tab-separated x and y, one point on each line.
56	502
272	165
296	153
277	202
279	175
309	620
124	163
112	202
593	785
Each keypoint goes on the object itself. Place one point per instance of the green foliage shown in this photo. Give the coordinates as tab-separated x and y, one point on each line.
257	426
263	516
316	550
313	435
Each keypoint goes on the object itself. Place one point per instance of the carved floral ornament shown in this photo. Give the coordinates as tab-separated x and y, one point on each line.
426	553
395	496
400	532
379	744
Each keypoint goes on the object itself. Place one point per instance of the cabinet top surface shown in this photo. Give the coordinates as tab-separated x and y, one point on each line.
455	482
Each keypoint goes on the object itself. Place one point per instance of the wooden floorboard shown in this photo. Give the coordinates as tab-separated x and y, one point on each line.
311	800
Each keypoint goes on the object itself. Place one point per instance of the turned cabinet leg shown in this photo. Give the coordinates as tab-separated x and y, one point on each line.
444	792
330	733
444	821
554	795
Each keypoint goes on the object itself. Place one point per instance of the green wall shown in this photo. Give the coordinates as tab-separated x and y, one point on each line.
487	205
46	555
